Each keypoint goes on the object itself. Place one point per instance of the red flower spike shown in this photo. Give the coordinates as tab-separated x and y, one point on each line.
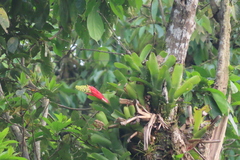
92	91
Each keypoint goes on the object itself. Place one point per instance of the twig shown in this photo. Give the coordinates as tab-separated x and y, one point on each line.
162	13
95	50
115	36
76	109
55	35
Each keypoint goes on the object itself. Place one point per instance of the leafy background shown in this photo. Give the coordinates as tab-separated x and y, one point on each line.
58	44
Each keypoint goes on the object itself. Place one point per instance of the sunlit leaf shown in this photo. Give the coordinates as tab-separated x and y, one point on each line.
95	25
4	21
12	44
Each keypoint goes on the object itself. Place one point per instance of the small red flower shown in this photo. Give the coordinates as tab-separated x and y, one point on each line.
92	91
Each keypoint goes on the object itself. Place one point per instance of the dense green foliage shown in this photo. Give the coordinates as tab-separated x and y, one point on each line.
49	47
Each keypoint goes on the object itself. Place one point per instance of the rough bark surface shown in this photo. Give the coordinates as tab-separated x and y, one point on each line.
213	150
181	28
178	37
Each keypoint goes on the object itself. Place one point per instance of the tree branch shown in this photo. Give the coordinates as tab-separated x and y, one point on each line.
16	131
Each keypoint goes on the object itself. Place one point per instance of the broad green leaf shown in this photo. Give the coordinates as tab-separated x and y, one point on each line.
116	114
135	3
234	124
23	79
234	88
154	9
12	44
163	54
46	64
108	154
101	56
58	126
120	65
3	134
205	22
117	10
131	63
221	102
146	50
100	140
152	65
120	77
160	30
235	103
95	25
4	21
136	59
80	5
97	156
125	155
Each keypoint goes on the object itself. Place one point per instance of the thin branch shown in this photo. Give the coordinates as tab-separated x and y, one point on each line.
115	36
55	35
76	109
162	13
95	50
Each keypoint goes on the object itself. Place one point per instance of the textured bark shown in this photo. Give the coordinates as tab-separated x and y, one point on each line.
181	28
178	37
213	150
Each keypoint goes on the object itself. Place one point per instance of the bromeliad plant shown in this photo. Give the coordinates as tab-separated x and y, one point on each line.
147	92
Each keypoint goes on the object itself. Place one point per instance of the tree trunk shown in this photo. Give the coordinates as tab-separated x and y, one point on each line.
178	37
181	28
213	150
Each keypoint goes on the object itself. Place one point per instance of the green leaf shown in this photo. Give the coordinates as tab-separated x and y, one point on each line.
97	156
3	134
140	80
154	9
136	59
131	63
80	5
100	140
120	65
95	25
58	126
108	154
221	101
234	88
146	50
4	21
102	57
46	64
235	126
23	79
117	10
125	156
36	97
152	65
116	114
120	77
12	44
205	22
